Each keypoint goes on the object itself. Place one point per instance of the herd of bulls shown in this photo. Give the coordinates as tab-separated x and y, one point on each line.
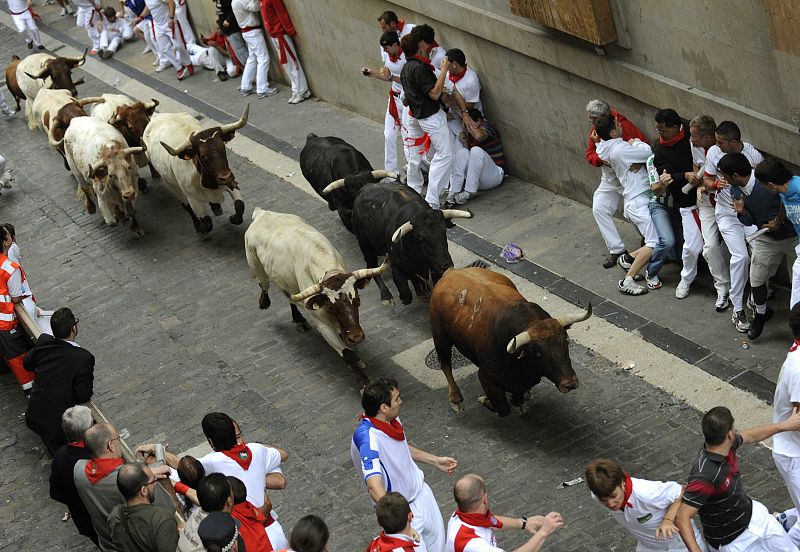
514	342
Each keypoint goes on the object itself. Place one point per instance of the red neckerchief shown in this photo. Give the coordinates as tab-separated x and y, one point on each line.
628	491
97	468
795	345
672	141
385	543
426	61
240	454
252	526
394	59
480	520
400	24
455	78
393	429
77	444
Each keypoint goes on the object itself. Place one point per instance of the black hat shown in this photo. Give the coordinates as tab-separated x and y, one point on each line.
218	531
389	37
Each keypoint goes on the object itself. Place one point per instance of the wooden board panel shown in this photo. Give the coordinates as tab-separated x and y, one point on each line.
591	20
783	17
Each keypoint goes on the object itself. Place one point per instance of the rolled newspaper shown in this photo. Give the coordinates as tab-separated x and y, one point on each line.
756	234
688	187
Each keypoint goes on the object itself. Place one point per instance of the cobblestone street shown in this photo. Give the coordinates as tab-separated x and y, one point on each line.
174	323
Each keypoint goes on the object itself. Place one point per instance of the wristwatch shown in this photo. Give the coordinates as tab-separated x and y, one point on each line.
524	520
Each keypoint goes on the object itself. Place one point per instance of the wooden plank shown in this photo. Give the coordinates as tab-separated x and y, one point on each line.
591	20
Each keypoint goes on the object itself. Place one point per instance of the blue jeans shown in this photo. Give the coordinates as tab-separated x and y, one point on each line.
665	248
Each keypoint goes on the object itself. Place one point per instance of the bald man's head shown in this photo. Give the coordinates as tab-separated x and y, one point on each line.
468	492
97	439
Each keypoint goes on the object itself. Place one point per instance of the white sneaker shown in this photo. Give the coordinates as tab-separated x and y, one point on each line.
629	287
293	99
723	302
302	97
6	179
162	68
146	49
682	291
653	282
63	12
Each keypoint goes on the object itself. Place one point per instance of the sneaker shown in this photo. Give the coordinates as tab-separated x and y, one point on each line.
6	111
293	99
682	290
625	261
30	45
462	197
63	12
297	98
184	72
160	67
105	54
722	304
653	282
41	47
757	325
6	179
247	92
629	287
611	259
267	93
222	76
190	68
92	52
739	320
146	49
69	10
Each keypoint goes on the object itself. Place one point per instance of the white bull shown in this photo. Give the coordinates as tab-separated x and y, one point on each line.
193	164
102	163
38	71
283	249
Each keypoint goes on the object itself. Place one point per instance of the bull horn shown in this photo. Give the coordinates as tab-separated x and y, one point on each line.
42	74
79	81
238	124
567	321
96	166
404	229
93	99
51	138
335	185
456	213
519	340
134	150
180	149
152	104
370	272
78	60
305	294
383	174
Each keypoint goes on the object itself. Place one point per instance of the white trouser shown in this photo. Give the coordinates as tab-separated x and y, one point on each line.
763	534
211	58
713	252
257	61
427	520
795	276
169	44
87	18
27	27
439	174
292	66
414	178
733	233
127	30
236	43
390	130
3	105
789	468
692	243
605	203
277	538
473	170
149	36
182	26
637	211
110	41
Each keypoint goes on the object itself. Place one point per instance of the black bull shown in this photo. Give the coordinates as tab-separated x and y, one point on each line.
392	219
327	160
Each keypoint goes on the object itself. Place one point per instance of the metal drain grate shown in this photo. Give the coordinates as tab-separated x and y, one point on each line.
458	360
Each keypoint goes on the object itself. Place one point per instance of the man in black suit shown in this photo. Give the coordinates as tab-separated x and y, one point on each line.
65	372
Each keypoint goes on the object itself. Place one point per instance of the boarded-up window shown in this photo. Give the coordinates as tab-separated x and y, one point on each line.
591	20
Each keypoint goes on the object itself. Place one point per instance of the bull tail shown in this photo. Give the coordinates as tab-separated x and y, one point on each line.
477	263
257	271
15	57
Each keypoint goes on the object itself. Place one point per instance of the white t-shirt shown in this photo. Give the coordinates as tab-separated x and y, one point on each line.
621	155
713	156
376	454
469	86
160	12
265	460
787	391
437	55
394	67
463	537
649	501
17	6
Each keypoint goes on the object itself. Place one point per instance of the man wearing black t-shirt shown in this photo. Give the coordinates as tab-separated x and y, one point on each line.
427	122
732	521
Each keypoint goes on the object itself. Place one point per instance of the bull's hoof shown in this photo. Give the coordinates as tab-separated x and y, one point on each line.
238	216
520	410
216	208
458	408
155	175
206	225
263	301
142	183
90	208
236	219
387	302
302	327
406	299
137	232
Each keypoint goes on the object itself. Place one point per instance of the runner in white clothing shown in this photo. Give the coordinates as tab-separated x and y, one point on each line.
168	41
87	16
394	516
112	34
786	446
386	461
389	21
182	26
645	508
729	138
22	15
248	17
471	527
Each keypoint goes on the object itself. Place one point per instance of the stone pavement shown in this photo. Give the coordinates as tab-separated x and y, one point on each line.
174	324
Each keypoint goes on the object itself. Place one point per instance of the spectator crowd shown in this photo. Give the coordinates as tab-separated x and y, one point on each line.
698	190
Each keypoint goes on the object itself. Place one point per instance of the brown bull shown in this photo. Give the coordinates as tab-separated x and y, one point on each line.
11	80
514	343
